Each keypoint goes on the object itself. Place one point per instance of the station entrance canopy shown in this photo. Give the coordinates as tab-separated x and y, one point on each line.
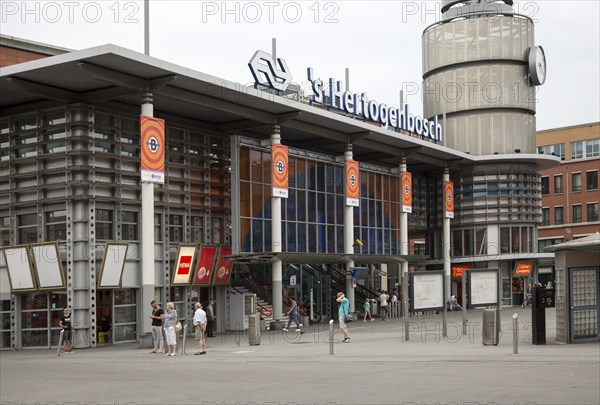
115	77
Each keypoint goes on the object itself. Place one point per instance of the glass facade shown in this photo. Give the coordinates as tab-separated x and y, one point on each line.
313	214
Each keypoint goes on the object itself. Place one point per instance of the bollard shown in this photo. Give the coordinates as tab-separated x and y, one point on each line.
515	333
406	333
331	337
60	342
184	338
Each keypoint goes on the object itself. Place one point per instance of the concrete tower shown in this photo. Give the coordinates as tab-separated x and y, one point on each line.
476	69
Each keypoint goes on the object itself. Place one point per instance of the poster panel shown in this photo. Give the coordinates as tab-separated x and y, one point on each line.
113	263
352	184
407	192
183	265
279	170
152	144
426	291
482	287
205	265
20	269
48	266
223	273
449	199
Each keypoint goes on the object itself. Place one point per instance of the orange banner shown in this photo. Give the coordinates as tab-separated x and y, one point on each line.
449	199
407	192
152	143
523	268
279	170
352	183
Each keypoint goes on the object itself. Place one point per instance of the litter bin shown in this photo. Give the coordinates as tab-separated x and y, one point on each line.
305	321
254	330
373	307
489	334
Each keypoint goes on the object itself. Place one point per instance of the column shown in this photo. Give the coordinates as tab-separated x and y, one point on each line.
147	237
404	251
446	254
276	267
349	240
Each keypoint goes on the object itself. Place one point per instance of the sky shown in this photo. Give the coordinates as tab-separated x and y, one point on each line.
379	41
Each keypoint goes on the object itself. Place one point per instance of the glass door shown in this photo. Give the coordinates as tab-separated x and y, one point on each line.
40	313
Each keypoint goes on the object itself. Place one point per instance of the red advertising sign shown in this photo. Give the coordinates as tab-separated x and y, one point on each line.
184	265
205	266
407	192
449	199
279	170
223	273
523	268
352	183
457	269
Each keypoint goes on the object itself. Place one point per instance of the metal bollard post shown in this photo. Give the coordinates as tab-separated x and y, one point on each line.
331	337
515	333
406	334
184	339
60	342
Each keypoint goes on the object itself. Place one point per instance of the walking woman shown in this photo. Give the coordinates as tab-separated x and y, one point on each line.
367	308
169	323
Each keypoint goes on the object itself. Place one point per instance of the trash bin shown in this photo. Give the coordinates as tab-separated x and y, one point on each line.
305	321
254	330
373	307
488	333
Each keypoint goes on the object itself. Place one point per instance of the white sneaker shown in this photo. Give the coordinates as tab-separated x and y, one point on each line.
298	330
285	329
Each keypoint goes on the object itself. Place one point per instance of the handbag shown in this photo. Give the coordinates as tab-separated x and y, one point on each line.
178	327
348	318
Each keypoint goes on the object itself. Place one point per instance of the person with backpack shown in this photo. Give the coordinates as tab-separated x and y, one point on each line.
343	312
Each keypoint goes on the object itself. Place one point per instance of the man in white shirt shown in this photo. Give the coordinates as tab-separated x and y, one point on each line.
200	326
383	305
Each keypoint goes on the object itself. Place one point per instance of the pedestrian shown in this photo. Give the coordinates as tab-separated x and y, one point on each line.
65	322
293	315
158	314
210	315
169	322
343	311
200	323
367	308
383	304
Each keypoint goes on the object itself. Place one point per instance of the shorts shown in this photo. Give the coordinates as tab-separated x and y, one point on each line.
68	335
342	320
199	332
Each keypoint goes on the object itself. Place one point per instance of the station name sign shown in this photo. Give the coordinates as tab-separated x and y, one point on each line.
371	110
275	74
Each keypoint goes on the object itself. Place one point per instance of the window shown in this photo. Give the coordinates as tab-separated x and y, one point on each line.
56	225
545	185
558	216
577	150
545	216
592	212
576	177
591	180
157	227
104	224
129	225
556	150
548	242
4	231
27	228
558	184
577	214
592	148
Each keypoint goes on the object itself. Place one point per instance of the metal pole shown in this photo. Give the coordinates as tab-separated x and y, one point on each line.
446	254
349	240
464	302
277	265
404	248
184	338
515	333
60	342
146	27
312	312
331	337
406	334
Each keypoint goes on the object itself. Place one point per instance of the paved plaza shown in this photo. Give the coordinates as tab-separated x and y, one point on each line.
379	366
